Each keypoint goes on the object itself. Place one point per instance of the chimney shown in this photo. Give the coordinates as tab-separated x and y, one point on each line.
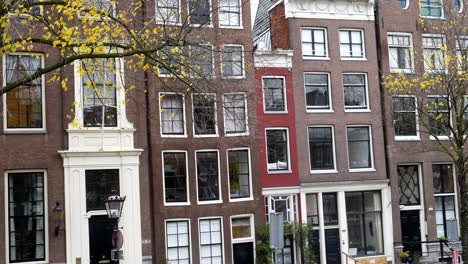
278	28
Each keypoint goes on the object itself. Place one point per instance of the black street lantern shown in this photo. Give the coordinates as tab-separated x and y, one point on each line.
114	206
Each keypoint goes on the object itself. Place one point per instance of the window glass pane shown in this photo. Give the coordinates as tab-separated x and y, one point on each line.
229	13
351	44
355	91
359	147
316	89
24	103
443	178
167	11
235	113
99	92
175	177
241	227
210	240
402	3
26	216
439	116
177	244
231	61
273	93
204	114
199	12
321	148
404	116
408	181
207	176
201	60
100	184
172	114
312	209
330	210
239	170
313	43
277	149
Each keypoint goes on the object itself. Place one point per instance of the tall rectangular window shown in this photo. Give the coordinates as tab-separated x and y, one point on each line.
199	12
408	181
321	149
100	184
26	217
400	52
172	115
171	61
364	213
355	91
207	176
439	115
462	53
274	94
351	44
99	92
433	53
100	5
242	239
175	177
445	195
317	91
359	147
230	13
239	173
201	60
431	8
178	242
24	104
204	114
277	142
314	43
235	113
211	241
232	61
167	11
404	116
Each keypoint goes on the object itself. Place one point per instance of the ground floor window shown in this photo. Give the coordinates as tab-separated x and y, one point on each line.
26	216
364	213
211	241
178	242
242	239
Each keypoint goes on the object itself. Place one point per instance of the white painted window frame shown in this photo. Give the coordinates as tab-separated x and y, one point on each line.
179	17
363	41
220	200
327	52
432	17
284	94
46	216
189	234
417	137
441	50
215	106
411	59
444	137
213	74
240	26
246	239
246	133
311	109
43	95
366	83
371	149
243	61
250	198
187	177
289	170
208	25
183	112
335	169
223	252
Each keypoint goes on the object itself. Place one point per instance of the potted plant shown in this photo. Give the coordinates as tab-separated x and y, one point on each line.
404	255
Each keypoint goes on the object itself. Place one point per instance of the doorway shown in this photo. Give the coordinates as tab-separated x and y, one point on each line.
100	240
411	231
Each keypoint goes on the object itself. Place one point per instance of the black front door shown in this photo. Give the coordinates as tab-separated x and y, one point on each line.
411	231
332	246
243	253
100	240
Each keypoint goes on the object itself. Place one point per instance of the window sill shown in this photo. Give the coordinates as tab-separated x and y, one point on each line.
176	204
275	112
201	25
176	24
402	71
231	27
354	59
209	202
431	17
323	171
236	134
232	77
206	136
315	58
407	138
319	111
362	170
235	200
173	136
357	110
439	138
280	172
24	131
